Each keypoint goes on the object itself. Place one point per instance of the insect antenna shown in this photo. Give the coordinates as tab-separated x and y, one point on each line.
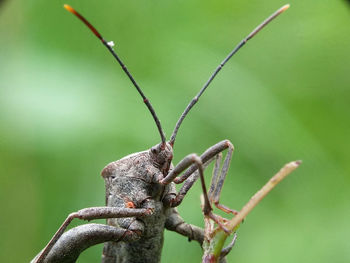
109	46
217	70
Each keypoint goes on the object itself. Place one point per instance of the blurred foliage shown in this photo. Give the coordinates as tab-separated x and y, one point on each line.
66	110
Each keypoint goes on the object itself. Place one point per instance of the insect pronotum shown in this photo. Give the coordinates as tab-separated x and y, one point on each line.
141	198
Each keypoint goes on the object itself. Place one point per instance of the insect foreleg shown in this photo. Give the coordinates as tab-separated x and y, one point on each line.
90	214
205	157
178	169
218	181
189	177
214	178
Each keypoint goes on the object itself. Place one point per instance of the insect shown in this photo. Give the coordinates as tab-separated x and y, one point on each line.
141	198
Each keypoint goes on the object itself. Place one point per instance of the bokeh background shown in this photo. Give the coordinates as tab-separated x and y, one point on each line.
67	109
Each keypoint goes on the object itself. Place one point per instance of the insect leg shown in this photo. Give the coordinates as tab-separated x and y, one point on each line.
74	241
189	160
215	190
227	249
214	178
218	182
190	176
90	214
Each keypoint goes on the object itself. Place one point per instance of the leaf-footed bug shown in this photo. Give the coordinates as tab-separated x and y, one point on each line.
141	198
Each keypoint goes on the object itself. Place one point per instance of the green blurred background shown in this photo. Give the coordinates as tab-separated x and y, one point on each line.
66	110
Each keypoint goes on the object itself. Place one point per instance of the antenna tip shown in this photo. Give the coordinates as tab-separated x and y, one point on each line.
297	163
68	8
284	8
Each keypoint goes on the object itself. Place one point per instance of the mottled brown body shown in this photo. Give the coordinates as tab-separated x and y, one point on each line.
135	179
141	199
139	206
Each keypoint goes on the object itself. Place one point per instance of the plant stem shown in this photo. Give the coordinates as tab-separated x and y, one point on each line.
213	246
275	180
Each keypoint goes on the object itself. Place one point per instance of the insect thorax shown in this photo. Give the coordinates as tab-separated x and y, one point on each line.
133	182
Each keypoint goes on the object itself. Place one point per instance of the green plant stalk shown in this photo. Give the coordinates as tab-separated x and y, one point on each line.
214	246
275	180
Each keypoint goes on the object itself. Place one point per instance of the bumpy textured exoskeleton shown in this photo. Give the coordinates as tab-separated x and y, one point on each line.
141	199
144	180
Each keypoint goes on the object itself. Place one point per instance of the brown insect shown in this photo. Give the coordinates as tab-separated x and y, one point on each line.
141	198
